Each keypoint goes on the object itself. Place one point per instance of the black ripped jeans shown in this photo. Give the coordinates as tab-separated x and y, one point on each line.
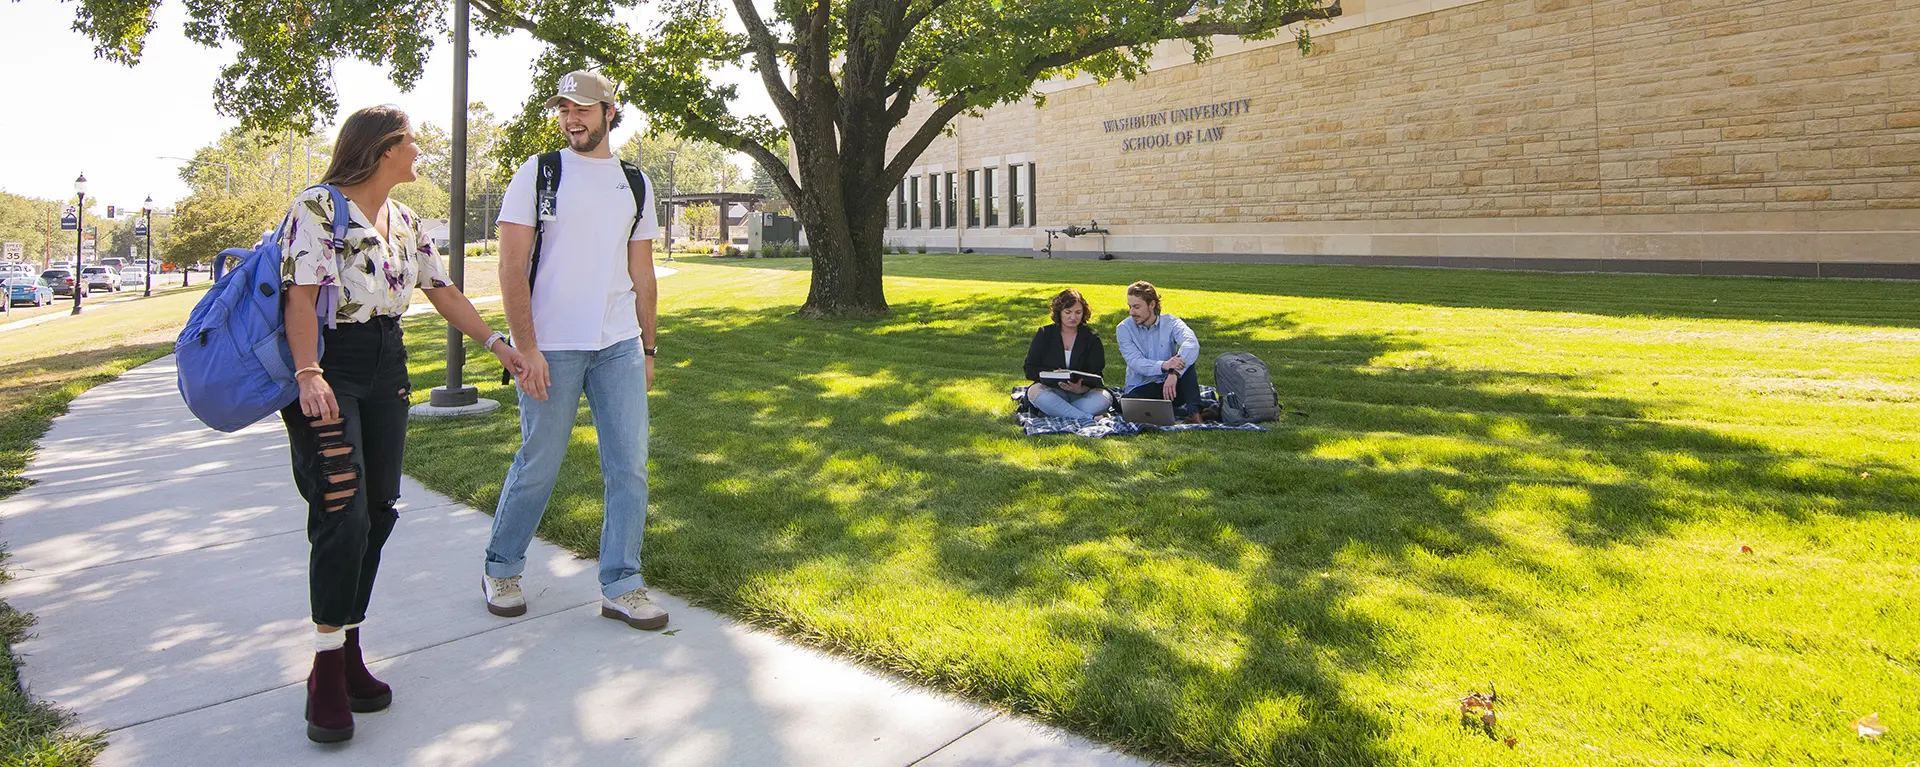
349	472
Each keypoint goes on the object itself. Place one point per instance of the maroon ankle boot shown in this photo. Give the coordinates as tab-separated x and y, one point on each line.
364	693
329	720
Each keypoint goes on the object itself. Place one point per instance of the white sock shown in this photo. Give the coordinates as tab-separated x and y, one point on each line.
329	640
349	627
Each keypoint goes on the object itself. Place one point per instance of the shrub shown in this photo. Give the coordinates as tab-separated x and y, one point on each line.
921	248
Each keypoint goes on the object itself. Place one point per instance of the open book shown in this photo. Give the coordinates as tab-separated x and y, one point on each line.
1089	379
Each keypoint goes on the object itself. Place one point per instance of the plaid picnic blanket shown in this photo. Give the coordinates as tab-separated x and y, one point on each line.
1110	424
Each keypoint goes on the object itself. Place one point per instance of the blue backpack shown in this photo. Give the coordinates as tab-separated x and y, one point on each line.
234	365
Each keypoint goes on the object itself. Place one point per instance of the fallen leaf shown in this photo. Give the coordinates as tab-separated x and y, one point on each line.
1744	549
1478	708
1513	742
1869	726
1865	474
669	633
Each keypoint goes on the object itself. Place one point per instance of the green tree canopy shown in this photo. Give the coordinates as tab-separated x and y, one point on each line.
843	76
204	225
486	177
35	223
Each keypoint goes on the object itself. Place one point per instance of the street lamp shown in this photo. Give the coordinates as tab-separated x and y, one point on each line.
672	192
79	237
146	209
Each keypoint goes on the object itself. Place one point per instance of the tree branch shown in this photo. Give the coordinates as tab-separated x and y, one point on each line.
1104	43
764	46
914	19
928	131
774	165
502	16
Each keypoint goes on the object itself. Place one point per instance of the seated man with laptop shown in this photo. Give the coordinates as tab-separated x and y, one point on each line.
1162	383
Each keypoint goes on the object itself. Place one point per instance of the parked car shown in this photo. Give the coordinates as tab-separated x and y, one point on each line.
133	276
62	282
101	278
28	290
113	261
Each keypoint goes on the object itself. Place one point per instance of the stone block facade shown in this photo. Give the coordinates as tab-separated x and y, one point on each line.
1784	134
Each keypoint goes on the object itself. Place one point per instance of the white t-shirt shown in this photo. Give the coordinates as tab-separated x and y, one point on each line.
583	295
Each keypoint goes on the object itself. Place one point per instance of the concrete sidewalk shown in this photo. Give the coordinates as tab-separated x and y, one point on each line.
167	566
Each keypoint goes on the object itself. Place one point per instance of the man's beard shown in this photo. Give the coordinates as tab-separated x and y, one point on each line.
591	142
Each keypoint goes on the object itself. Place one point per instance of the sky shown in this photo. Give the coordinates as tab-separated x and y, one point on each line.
67	113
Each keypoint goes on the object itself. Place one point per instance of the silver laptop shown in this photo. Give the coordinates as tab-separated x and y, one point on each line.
1158	412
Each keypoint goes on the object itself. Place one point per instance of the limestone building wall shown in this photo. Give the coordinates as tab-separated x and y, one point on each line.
1715	136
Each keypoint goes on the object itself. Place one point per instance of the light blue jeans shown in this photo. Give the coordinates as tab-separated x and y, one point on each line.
615	382
1061	403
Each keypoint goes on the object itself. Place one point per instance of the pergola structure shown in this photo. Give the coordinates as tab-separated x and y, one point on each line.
719	200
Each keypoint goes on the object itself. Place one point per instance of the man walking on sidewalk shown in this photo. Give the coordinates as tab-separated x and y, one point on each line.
576	274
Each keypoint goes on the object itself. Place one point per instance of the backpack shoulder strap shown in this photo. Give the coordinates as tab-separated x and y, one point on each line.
327	306
548	192
637	182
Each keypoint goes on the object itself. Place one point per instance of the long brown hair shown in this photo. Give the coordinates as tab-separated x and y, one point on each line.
364	138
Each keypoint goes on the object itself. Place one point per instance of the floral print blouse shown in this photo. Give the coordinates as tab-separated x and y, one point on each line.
376	275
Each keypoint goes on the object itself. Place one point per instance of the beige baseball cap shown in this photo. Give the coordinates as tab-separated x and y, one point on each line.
584	87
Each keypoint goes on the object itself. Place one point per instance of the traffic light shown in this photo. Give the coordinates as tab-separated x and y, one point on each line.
109	211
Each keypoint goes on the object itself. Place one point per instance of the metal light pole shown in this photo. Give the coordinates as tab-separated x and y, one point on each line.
147	268
79	237
456	398
673	191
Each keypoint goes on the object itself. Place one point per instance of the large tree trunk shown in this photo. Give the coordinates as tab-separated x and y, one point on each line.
844	227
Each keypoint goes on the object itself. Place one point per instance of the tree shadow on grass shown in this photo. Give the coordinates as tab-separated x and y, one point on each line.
858	484
1839	302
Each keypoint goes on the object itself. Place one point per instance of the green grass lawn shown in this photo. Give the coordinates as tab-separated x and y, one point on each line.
1539	482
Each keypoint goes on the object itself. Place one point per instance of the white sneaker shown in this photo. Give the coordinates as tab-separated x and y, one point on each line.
503	596
635	609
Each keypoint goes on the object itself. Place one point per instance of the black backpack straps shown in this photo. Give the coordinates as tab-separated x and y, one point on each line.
546	204
637	182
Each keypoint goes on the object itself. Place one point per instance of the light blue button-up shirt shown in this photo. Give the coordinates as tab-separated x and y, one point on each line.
1146	348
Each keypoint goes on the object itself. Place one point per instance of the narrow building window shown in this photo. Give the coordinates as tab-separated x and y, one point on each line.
1016	201
900	207
933	202
973	198
1033	197
992	195
952	206
913	202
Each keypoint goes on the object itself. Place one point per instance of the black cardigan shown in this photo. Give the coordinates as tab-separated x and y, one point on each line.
1047	353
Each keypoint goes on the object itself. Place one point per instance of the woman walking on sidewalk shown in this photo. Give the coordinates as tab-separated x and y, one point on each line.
349	428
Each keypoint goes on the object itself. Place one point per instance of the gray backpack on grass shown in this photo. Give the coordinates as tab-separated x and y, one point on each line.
1245	388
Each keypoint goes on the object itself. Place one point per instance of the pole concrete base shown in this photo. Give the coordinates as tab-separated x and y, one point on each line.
452	403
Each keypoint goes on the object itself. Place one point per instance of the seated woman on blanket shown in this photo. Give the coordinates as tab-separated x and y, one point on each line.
1160	351
1067	345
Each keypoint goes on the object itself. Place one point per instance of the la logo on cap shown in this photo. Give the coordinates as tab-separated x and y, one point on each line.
567	84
